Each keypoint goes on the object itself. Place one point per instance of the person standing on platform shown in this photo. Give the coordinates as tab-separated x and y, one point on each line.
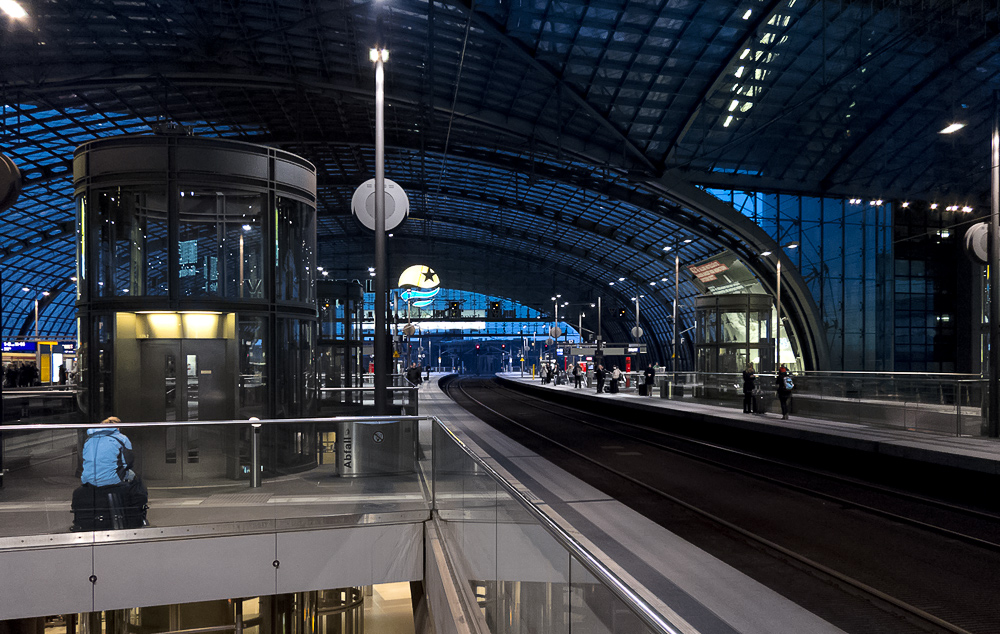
577	375
616	377
599	376
650	375
413	375
785	386
749	384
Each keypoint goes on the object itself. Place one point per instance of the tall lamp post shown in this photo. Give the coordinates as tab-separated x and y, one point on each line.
380	56
677	285
777	301
993	387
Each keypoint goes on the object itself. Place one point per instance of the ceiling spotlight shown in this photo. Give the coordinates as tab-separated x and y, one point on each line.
933	205
967	209
621	279
667	248
954	127
906	204
13	9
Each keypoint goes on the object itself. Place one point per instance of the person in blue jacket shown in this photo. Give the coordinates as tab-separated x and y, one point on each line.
106	456
107	471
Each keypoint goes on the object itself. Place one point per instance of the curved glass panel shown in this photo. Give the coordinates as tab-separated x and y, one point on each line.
295	250
220	246
131	250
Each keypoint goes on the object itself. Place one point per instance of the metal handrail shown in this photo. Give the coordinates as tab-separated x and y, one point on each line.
639	606
204	423
362	388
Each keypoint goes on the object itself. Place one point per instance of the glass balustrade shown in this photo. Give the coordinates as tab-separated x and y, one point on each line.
944	404
524	570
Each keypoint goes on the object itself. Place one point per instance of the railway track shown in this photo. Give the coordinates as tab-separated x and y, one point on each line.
867	558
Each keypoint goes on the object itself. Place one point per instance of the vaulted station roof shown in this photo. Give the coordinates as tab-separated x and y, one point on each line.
545	146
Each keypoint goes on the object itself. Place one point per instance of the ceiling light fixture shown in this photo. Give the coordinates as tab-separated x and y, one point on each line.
954	127
13	9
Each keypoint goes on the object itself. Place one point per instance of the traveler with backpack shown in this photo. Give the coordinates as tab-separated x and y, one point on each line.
785	387
111	494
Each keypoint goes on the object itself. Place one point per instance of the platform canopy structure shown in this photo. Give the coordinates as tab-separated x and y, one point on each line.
546	147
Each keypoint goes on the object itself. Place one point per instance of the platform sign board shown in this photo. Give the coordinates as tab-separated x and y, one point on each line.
724	274
19	346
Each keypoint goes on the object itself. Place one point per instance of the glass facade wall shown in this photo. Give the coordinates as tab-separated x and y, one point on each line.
845	254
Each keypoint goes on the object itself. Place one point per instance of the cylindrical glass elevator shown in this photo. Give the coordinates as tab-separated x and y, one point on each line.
196	289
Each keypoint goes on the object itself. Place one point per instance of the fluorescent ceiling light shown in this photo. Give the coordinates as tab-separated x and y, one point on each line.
13	9
953	128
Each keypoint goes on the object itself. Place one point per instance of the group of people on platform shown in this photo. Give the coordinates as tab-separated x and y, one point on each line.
613	377
21	374
783	385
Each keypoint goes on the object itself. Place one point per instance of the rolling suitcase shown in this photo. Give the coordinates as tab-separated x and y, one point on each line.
760	402
109	507
642	389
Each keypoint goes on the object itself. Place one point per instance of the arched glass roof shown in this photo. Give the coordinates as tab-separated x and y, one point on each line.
548	139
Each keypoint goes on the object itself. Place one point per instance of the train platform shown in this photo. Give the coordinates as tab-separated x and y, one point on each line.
694	590
973	454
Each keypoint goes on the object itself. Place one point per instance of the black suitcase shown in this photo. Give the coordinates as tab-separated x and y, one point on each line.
642	389
760	402
109	507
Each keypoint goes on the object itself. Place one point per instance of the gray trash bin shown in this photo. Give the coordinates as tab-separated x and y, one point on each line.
376	448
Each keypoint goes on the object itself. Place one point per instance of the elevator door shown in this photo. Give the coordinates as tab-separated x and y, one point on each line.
185	380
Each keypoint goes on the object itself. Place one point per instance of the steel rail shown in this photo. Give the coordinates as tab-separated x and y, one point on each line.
786	552
970	512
